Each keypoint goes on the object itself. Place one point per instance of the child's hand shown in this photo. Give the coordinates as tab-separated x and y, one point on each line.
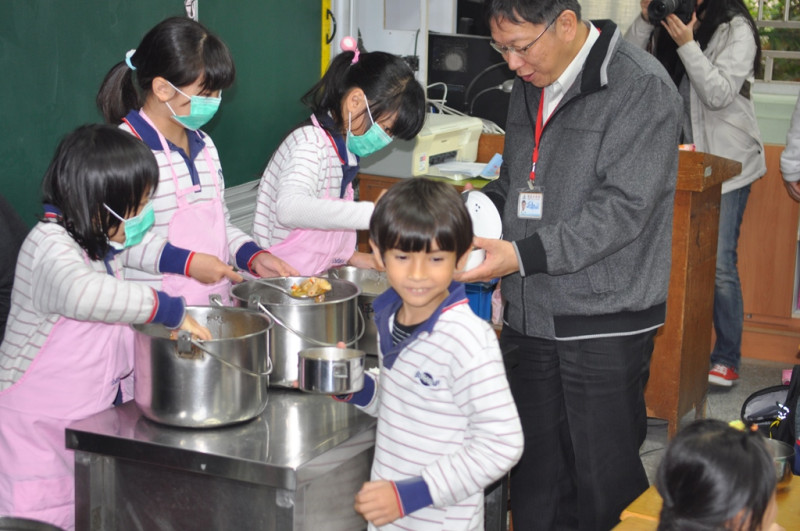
363	260
267	265
377	502
193	327
207	268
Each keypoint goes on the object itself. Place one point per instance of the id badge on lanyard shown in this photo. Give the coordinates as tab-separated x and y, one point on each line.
530	203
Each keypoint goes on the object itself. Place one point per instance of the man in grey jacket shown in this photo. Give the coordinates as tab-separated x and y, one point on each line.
591	139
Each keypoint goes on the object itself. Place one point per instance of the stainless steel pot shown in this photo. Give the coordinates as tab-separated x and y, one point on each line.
372	283
331	370
200	384
302	323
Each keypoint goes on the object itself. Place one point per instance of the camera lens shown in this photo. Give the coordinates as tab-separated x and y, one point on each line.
659	9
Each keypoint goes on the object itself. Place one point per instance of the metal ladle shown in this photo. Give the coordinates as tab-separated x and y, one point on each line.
276	287
283	290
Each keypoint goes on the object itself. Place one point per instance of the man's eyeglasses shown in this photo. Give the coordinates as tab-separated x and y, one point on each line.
521	52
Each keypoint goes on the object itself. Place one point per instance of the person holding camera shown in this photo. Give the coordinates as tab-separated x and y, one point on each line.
712	52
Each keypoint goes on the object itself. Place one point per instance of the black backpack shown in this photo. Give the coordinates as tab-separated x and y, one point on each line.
774	409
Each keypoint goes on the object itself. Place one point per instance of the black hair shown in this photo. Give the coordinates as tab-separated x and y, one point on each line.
712	14
416	212
92	165
533	11
712	476
178	49
387	82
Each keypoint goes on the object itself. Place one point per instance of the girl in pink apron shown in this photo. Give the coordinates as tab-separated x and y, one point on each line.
163	92
67	352
305	211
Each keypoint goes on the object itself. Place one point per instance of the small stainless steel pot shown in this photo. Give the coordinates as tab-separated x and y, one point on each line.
331	370
202	384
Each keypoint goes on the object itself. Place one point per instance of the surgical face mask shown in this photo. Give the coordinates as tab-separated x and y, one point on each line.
135	227
201	110
373	140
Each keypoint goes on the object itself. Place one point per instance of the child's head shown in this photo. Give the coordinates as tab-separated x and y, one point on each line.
421	232
96	165
179	50
387	82
714	476
417	212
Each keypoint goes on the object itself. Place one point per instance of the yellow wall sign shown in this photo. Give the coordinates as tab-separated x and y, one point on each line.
328	34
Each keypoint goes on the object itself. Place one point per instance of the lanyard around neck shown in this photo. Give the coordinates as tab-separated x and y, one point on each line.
537	136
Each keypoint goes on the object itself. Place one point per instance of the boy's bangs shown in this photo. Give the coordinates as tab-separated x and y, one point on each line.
410	237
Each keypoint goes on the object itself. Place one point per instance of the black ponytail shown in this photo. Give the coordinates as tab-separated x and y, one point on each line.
387	82
178	49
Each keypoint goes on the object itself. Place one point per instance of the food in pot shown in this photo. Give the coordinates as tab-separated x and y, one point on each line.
312	287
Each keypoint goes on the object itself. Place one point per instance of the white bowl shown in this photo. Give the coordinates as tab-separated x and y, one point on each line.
475	258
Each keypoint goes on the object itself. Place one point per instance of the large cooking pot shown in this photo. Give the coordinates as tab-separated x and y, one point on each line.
301	323
372	283
199	384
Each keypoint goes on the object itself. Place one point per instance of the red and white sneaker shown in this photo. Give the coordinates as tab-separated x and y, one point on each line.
722	375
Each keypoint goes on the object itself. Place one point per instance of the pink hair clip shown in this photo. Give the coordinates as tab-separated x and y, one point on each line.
349	44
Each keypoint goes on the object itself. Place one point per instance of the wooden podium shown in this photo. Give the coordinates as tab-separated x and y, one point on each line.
679	368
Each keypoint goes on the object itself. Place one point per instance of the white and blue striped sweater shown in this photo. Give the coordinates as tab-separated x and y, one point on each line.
447	422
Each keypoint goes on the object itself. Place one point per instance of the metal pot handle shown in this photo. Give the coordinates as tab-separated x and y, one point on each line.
185	343
255	300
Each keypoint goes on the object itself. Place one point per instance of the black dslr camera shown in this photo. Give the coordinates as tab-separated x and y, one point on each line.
658	10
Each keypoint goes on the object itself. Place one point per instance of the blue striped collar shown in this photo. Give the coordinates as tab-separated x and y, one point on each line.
387	304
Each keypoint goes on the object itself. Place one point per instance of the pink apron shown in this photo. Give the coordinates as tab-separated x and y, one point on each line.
312	251
76	374
198	227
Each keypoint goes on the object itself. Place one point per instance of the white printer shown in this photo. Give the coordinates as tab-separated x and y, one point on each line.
443	138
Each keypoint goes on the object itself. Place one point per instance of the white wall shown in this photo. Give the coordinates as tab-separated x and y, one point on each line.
396	26
400	27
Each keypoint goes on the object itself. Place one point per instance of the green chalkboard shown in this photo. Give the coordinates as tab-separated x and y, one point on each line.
55	53
276	46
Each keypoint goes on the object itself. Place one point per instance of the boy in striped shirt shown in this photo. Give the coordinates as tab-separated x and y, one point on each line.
447	423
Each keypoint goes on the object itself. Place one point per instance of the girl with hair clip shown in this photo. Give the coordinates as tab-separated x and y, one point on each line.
68	350
305	211
713	60
180	70
714	477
